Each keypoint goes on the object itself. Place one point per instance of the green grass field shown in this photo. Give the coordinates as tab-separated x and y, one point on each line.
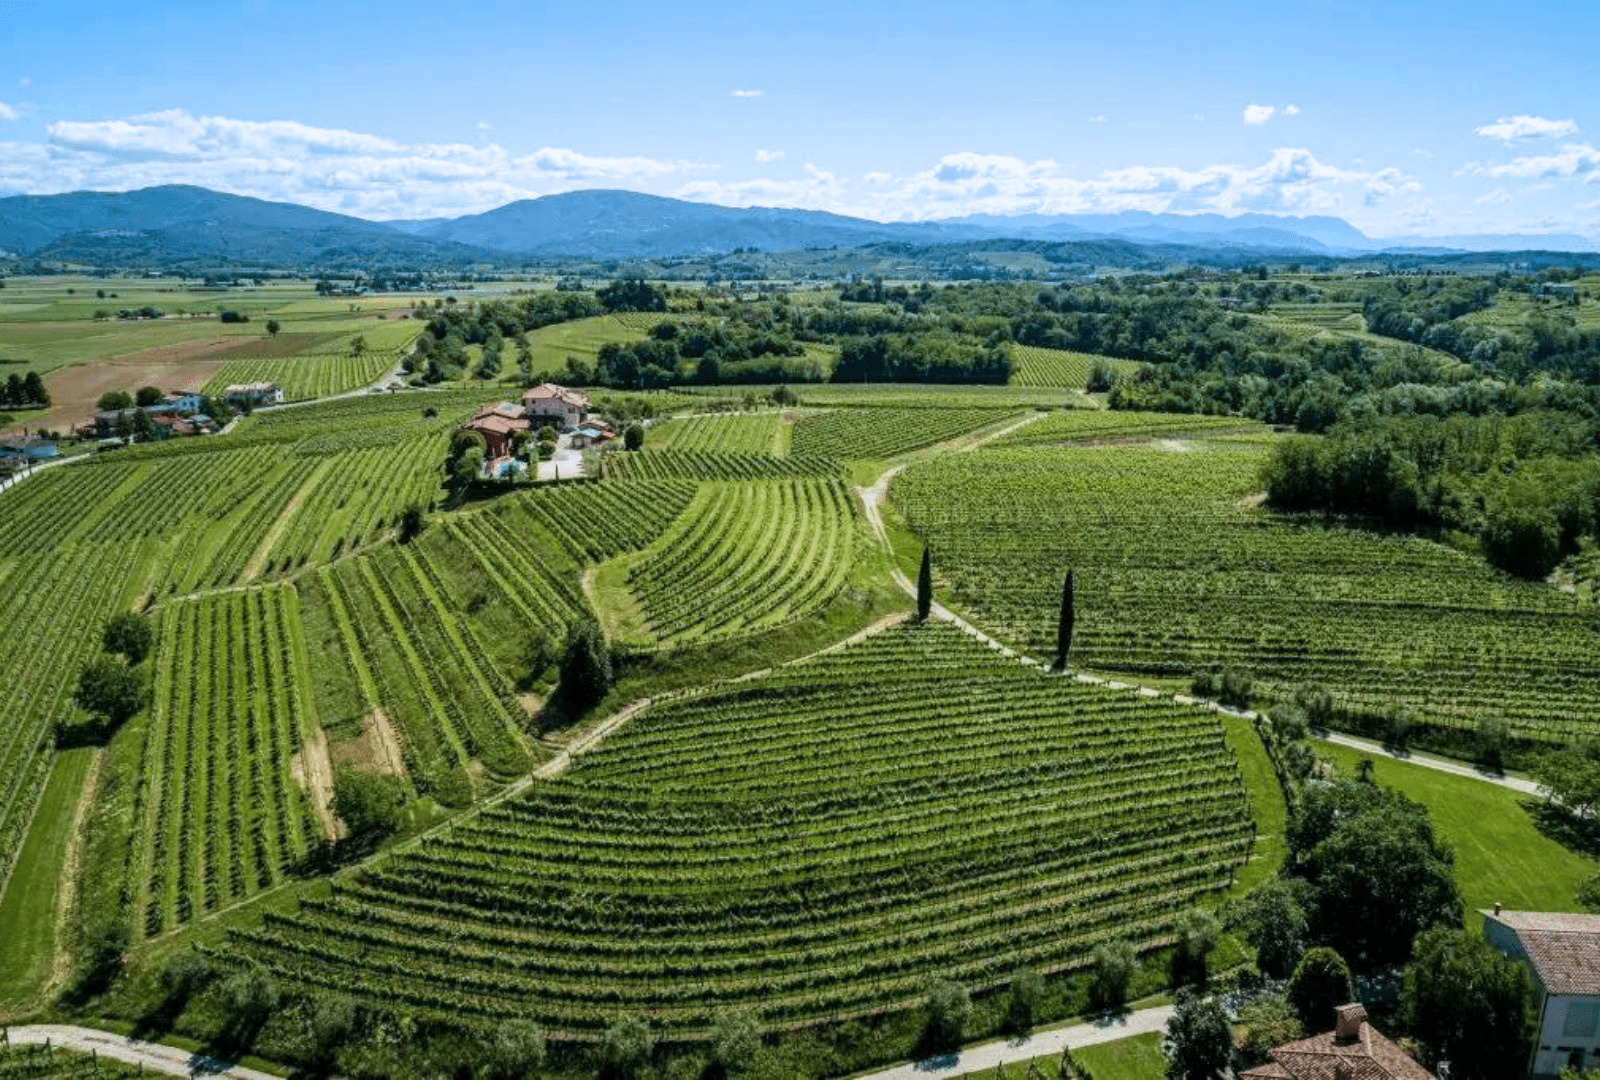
1502	856
551	345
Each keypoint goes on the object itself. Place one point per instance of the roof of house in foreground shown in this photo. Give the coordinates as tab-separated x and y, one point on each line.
1563	948
1364	1053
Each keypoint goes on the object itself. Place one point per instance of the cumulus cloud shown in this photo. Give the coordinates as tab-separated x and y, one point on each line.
7	112
1511	128
1291	110
748	93
1259	114
332	169
1572	160
817	189
769	155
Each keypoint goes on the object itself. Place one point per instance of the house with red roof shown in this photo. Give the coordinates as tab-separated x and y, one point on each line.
1353	1050
555	405
1562	954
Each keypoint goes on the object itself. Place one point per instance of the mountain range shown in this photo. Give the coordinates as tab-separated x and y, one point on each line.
181	225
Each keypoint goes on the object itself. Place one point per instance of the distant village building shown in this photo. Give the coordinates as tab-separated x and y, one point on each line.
1354	1049
498	425
548	403
253	394
1558	290
1562	953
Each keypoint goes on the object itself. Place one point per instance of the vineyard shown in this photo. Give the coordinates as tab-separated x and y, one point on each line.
1177	571
333	367
746	557
1036	366
874	434
703	465
221	816
717	433
594	522
1080	425
39	1062
817	842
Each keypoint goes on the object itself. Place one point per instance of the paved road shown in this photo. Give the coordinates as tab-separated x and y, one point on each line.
1428	761
157	1057
984	1058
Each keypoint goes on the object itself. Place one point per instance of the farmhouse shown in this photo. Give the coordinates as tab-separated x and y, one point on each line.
1354	1048
548	403
253	394
498	425
1562	953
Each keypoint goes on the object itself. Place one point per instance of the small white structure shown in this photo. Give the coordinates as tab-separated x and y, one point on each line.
1562	953
253	394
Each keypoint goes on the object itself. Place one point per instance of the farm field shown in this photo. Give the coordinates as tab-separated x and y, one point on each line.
1036	366
582	338
1083	425
763	433
1178	572
659	875
885	433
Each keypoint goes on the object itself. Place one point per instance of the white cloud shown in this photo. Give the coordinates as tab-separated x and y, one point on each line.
769	155
349	172
748	93
1590	205
1259	114
877	177
1200	117
1291	110
1497	197
7	112
1572	160
484	125
1509	128
1097	120
817	189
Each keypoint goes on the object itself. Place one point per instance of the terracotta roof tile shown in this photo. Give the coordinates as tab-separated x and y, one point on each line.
1369	1056
1564	949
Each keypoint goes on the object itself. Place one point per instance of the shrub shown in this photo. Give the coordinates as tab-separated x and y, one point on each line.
948	1007
1320	985
368	803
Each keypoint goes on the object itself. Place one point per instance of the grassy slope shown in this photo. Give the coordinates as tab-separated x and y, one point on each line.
28	913
1138	1058
1501	854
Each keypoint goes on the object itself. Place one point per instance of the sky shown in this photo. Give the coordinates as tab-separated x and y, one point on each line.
1404	119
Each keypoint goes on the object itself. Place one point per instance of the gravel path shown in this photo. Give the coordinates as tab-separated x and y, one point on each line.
158	1057
985	1057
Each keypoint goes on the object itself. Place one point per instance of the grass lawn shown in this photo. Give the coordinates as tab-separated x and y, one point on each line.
28	911
1501	853
551	345
1137	1057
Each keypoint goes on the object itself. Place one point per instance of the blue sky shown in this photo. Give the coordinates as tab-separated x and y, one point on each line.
1403	118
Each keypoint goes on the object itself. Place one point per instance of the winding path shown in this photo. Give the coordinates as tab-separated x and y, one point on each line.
986	1056
157	1057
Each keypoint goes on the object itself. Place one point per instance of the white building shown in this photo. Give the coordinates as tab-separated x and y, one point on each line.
548	403
1562	953
255	393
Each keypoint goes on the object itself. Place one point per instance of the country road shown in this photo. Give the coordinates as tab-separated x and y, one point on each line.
985	1057
157	1057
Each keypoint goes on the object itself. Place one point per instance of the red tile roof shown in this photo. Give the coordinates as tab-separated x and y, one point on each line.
1369	1055
1564	949
550	391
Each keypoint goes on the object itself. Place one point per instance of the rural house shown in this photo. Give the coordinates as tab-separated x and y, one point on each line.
1353	1049
497	425
548	403
1562	953
253	394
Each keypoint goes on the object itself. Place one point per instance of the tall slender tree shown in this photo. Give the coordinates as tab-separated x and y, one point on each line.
1064	627
925	587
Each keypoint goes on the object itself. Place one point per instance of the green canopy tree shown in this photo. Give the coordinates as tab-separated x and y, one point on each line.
1065	624
1469	1005
925	586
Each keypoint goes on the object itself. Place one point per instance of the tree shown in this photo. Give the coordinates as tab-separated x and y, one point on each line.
34	389
1199	1039
1468	1004
358	345
1022	999
1571	777
140	424
586	672
735	1041
925	586
128	634
411	523
368	803
146	396
1320	985
105	943
625	1048
1271	918
1269	1021
110	691
517	1049
248	997
1115	964
331	1020
114	399
633	437
1064	625
1589	893
1198	931
947	1009
273	327
183	973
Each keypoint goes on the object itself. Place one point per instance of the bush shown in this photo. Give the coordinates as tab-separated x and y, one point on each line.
586	672
948	1007
1199	1039
735	1041
1022	1000
1101	379
1319	986
1269	1021
110	691
183	973
130	635
517	1050
1115	965
625	1048
633	437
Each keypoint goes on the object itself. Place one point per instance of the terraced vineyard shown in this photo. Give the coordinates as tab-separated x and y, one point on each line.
747	557
1078	425
703	465
1036	366
874	434
719	433
1177	570
814	843
221	816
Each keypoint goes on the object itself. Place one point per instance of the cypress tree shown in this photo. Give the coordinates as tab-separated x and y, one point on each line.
1064	628
925	587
